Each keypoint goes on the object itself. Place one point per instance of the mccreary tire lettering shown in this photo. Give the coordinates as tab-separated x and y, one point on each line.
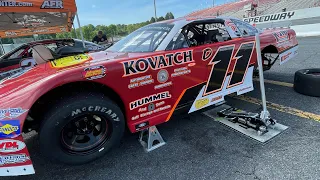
113	115
156	62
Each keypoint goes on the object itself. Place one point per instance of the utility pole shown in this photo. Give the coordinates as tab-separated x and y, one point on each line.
155	10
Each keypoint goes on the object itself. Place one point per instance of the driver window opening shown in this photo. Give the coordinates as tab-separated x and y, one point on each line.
198	34
207	34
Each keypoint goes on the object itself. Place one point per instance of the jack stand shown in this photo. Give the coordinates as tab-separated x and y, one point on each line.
151	139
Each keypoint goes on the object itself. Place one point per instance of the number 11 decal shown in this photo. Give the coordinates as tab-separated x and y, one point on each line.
221	62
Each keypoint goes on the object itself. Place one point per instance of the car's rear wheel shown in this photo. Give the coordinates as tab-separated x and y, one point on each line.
307	82
79	129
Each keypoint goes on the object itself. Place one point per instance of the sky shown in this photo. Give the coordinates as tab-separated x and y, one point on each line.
106	12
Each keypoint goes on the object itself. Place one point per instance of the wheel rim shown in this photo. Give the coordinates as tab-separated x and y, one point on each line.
85	133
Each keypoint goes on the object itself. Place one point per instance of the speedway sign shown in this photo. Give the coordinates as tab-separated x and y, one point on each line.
285	16
270	17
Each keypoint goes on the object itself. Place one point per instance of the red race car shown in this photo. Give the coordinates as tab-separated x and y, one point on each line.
81	103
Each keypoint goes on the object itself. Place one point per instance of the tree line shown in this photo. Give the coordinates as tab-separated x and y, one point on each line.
89	31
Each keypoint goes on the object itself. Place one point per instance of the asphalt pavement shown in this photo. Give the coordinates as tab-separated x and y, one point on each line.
200	148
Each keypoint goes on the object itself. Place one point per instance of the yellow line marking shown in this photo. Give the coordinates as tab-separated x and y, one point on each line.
281	108
276	82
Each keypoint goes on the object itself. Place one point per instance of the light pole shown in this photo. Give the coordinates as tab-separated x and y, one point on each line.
155	10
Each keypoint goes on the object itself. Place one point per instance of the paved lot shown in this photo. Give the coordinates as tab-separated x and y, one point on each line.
201	148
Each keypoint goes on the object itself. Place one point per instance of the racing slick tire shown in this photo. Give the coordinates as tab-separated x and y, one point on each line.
79	129
307	82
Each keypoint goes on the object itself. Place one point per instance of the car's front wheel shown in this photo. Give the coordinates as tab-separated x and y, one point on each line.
79	129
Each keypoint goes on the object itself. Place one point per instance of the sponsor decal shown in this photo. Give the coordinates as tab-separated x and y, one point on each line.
11	145
158	28
180	72
270	17
244	89
206	54
70	61
12	74
199	17
142	126
9	128
232	26
163	85
216	98
281	36
284	43
286	56
156	110
163	76
52	4
101	109
142	109
201	103
142	65
10	33
151	107
140	81
11	113
95	72
15	4
149	99
13	159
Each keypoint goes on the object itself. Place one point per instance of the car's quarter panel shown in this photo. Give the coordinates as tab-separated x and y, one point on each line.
284	40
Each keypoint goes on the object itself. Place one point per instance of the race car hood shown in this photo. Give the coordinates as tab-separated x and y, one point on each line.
18	78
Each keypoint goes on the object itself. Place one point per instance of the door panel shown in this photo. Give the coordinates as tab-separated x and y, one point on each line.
230	70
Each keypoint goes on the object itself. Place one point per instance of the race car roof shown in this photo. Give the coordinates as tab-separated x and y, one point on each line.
28	17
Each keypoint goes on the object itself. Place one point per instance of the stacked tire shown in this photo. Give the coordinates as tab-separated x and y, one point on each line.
307	82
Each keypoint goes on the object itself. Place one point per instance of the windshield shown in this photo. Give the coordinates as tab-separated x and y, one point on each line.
145	39
5	55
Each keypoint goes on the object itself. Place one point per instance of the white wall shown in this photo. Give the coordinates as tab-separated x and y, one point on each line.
307	30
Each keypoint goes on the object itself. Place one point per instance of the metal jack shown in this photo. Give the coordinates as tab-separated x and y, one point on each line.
264	115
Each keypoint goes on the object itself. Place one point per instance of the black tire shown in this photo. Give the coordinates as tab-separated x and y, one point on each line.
61	118
307	82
